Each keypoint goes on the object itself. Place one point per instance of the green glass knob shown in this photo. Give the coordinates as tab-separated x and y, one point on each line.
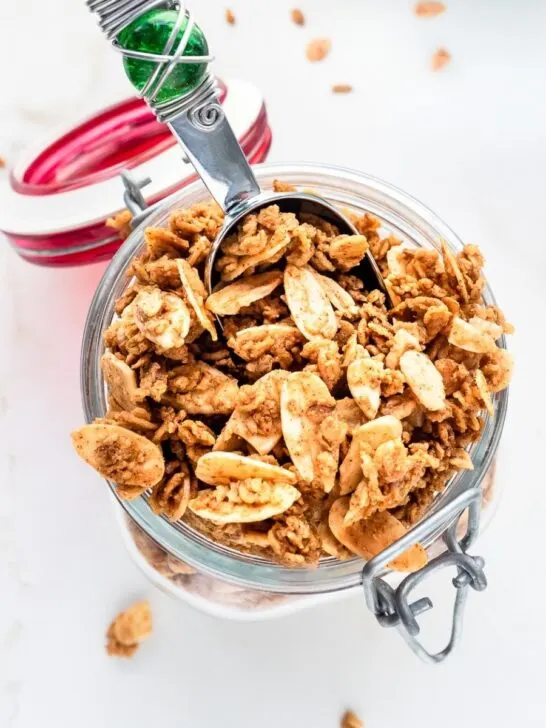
150	33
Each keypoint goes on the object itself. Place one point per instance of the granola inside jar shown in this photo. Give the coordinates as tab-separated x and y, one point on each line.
182	552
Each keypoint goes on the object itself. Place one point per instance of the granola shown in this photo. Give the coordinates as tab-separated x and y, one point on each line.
121	222
291	413
128	630
351	720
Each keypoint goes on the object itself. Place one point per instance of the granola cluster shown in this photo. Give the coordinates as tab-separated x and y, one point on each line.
292	413
128	630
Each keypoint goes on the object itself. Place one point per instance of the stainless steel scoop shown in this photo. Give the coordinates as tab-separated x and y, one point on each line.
197	120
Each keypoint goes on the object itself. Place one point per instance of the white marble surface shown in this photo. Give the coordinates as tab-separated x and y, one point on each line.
471	142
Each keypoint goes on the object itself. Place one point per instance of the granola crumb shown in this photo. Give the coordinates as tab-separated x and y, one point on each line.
440	59
2	162
230	17
318	49
429	9
121	223
351	720
342	88
297	17
128	630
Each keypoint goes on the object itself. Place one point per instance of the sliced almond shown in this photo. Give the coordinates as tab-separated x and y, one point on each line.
277	244
378	431
353	351
369	537
309	304
424	379
366	495
403	341
196	294
219	507
228	301
471	338
350	470
368	437
305	401
243	423
483	389
487	327
340	299
452	268
396	260
330	544
227	440
163	318
220	468
121	381
461	460
364	380
120	455
263	444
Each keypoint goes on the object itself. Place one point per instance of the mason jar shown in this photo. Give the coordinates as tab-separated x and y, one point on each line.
213	577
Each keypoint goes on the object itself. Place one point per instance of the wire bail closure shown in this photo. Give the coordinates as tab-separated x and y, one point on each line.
392	607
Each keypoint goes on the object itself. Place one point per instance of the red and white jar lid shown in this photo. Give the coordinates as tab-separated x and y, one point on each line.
54	204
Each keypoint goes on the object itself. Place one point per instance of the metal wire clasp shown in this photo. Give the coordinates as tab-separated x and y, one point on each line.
392	607
134	199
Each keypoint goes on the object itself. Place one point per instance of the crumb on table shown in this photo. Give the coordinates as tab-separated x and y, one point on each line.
440	59
128	630
351	720
230	17
429	9
318	49
297	17
342	88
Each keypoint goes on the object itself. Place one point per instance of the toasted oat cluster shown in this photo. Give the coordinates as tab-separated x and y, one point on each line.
128	630
351	720
292	413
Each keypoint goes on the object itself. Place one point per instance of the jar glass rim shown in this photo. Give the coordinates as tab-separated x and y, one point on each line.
401	213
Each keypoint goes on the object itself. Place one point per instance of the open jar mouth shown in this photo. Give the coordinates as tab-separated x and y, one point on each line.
401	215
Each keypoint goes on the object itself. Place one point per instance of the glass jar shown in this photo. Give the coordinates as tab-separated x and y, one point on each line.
217	578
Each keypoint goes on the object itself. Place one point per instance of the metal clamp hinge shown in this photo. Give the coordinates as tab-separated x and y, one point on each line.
134	199
392	607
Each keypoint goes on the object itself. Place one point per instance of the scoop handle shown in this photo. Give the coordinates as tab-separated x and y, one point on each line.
206	136
166	57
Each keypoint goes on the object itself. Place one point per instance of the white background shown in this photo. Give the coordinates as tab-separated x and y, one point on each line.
471	143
